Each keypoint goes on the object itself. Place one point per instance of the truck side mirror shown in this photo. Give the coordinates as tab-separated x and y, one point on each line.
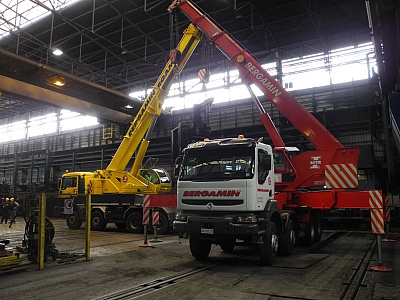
177	167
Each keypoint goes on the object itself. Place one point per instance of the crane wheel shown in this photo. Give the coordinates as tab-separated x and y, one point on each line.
309	237
318	227
288	239
98	221
134	222
74	221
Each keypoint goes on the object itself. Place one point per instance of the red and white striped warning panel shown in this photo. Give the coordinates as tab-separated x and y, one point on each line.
377	218
146	200
146	210
341	176
156	217
203	75
90	187
146	216
386	207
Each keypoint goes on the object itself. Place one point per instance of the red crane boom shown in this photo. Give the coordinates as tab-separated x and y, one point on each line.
331	164
251	71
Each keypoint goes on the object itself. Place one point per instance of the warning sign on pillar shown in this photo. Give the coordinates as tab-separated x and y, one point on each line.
68	207
377	217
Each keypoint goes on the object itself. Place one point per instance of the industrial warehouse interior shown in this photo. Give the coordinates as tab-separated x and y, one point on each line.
199	149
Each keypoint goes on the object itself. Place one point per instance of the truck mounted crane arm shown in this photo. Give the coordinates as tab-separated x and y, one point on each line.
330	164
251	72
152	106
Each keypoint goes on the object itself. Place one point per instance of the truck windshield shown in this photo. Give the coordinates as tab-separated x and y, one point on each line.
68	182
218	164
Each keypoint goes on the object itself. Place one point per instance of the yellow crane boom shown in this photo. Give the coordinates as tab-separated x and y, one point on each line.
152	107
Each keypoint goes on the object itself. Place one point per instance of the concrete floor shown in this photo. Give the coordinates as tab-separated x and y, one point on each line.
118	263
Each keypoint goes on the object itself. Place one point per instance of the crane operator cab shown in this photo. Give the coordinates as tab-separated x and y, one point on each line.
284	171
158	177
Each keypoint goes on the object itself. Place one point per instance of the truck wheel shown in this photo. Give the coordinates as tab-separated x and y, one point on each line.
200	249
73	221
309	235
288	240
120	225
98	222
269	246
134	222
317	227
228	244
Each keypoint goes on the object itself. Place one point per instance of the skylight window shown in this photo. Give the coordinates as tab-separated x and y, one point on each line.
340	66
46	124
16	14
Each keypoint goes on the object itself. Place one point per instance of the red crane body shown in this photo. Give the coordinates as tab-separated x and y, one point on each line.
331	165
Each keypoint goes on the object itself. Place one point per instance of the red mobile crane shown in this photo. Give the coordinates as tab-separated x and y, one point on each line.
301	186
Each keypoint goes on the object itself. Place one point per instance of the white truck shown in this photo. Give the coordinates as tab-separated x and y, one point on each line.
226	193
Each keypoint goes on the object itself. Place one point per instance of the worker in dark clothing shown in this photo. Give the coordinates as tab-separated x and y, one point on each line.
5	214
13	210
2	202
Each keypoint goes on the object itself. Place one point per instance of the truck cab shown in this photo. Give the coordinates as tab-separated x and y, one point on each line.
227	174
71	184
226	193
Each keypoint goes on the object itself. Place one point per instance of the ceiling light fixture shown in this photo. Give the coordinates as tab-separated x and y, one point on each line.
59	81
57	51
129	106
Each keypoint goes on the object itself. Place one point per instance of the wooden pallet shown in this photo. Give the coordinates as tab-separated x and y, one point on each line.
12	263
6	253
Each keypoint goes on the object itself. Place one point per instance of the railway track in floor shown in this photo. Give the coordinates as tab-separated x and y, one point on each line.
351	287
156	285
352	284
349	290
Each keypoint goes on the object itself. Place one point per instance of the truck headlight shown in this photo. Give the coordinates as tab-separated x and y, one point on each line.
247	219
181	217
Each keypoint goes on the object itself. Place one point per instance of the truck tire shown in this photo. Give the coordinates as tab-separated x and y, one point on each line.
288	239
98	222
309	234
317	227
74	221
199	248
269	246
134	222
228	244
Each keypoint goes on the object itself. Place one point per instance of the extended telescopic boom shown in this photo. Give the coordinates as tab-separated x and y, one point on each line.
252	72
152	106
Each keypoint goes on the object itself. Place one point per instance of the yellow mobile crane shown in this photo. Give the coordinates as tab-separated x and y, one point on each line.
117	194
